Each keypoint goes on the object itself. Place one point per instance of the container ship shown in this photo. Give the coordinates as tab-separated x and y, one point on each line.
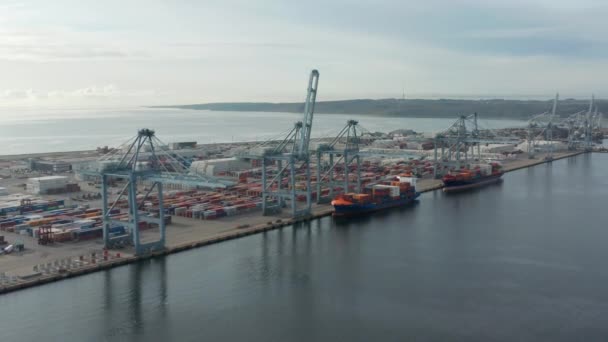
398	192
479	175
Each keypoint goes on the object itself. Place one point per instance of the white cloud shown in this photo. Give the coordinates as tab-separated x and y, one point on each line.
108	95
109	90
60	44
262	51
15	94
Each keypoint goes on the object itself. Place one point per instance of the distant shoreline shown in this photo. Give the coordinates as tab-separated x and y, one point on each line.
413	116
415	108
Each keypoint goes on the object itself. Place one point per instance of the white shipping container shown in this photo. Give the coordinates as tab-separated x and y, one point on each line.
381	186
411	180
484	169
395	191
83	222
62	225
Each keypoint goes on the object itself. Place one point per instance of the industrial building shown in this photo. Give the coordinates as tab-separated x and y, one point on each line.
49	166
44	185
213	167
499	148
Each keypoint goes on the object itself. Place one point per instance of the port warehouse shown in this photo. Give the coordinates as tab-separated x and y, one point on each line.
50	185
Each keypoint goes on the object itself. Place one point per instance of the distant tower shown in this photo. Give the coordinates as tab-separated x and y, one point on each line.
399	102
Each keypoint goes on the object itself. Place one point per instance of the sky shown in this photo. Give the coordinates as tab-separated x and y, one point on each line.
153	52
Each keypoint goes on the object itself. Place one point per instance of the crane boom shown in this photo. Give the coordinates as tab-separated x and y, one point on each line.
554	105
309	109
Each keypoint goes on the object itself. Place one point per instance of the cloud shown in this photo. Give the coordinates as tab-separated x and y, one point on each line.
94	92
234	50
58	45
21	52
16	94
243	44
109	90
511	28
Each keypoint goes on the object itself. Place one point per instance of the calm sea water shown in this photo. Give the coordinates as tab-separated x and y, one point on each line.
520	261
34	131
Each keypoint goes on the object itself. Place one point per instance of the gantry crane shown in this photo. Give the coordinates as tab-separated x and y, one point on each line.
290	156
349	136
574	123
142	158
583	127
542	125
453	144
592	124
349	152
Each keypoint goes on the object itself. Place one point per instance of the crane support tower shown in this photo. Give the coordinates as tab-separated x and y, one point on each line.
589	125
541	126
344	154
349	136
584	128
142	158
462	141
130	170
290	157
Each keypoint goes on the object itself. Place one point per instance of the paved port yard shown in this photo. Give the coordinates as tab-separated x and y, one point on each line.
183	233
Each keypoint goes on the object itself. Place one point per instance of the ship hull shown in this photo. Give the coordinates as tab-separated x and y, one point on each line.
464	186
362	209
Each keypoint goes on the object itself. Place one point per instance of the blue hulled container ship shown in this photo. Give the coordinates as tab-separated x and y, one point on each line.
478	176
396	193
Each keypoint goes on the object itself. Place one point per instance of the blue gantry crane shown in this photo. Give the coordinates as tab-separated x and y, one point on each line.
584	127
541	126
345	150
290	156
143	158
350	137
456	144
